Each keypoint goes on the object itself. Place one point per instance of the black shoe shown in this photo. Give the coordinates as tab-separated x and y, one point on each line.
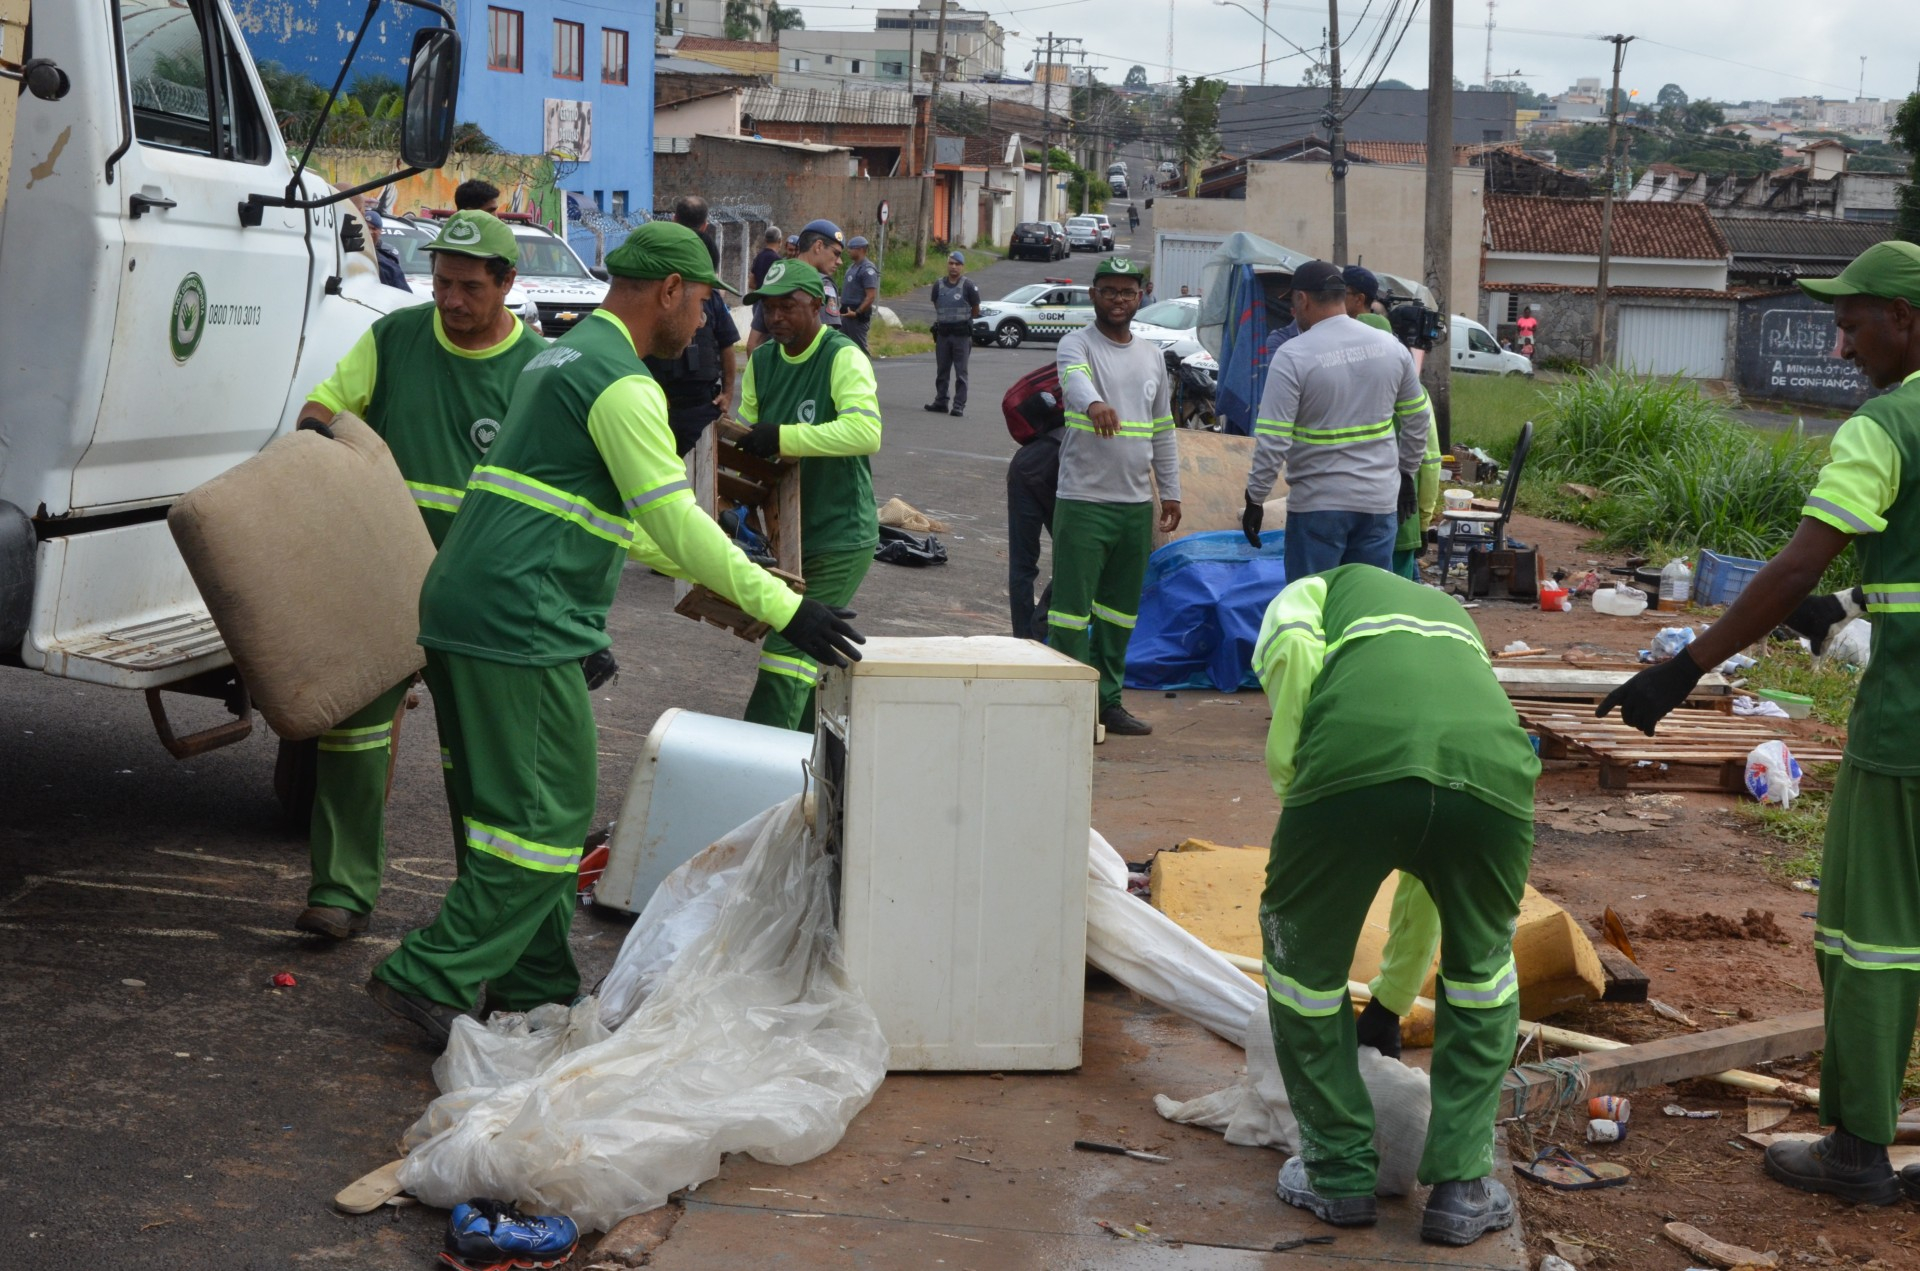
958	411
1910	1182
1459	1213
432	1018
1379	1028
1120	722
937	408
1840	1165
1341	1211
330	921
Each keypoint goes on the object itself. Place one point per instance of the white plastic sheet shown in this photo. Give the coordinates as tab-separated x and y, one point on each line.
744	1036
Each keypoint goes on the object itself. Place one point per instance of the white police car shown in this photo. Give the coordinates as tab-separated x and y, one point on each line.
1038	311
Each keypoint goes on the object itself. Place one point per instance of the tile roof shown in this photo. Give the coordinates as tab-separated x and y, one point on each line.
880	107
1571	227
713	44
1567	289
1785	238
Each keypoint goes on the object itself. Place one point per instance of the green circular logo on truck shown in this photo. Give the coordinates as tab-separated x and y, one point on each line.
189	320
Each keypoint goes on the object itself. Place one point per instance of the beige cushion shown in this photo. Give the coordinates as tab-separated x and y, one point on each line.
310	557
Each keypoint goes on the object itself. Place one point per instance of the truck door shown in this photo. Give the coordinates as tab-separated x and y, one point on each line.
210	313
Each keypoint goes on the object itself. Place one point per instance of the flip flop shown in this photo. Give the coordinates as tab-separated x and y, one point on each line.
1557	1167
369	1192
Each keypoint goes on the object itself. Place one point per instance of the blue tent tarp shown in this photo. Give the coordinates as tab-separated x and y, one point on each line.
1200	611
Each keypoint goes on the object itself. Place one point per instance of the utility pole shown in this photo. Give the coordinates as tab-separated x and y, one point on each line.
1619	43
1046	132
914	148
1436	372
1338	134
1263	42
933	105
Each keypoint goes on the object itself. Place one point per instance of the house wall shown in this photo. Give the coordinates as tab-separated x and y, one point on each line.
525	181
1584	271
689	119
1566	320
1784	352
792	185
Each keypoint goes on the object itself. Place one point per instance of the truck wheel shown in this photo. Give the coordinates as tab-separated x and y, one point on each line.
1010	334
293	780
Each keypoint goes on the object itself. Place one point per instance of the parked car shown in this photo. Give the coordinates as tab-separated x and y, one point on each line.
1038	240
407	237
1083	234
1172	325
1039	311
551	274
1475	350
1106	230
1119	186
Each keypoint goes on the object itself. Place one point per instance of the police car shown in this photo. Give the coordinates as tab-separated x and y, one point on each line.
1038	311
407	238
551	274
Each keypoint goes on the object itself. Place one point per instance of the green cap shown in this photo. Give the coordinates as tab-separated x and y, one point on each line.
1120	267
660	248
784	277
1889	270
476	233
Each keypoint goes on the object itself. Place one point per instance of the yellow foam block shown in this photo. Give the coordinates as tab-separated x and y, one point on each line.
1214	892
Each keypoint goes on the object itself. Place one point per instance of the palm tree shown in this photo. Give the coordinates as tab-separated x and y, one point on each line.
743	19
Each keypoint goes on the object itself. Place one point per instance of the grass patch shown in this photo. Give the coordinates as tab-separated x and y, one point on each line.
1791	668
900	341
1800	830
900	277
1488	410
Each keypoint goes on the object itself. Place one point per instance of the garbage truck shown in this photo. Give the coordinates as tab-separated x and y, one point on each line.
176	282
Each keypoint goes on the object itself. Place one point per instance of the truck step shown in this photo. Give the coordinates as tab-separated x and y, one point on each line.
143	654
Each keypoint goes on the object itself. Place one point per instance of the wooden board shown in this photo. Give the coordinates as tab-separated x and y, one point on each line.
725	477
1712	748
1625	981
1529	679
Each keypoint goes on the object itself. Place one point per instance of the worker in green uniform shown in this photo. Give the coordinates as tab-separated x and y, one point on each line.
809	394
1867	932
583	473
1444	787
434	381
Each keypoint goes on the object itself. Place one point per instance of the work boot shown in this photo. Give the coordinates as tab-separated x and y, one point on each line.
1120	722
1460	1212
1910	1182
435	1020
1841	1164
1296	1189
938	408
330	921
1379	1028
958	411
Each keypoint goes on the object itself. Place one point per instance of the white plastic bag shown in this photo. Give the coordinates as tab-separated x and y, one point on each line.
753	1040
1670	640
1852	647
1773	774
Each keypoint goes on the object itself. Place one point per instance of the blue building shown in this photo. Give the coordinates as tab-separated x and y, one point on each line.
568	78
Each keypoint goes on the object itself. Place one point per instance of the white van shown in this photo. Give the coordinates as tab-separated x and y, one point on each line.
1475	350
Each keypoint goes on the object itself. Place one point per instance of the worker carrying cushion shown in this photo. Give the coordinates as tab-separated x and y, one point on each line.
582	474
1118	446
434	381
1375	772
809	394
1344	413
1867	932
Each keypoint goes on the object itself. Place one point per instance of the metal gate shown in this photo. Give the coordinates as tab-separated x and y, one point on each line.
1179	258
1668	340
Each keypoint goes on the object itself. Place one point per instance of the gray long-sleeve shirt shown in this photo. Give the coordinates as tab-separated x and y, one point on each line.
1344	411
1131	378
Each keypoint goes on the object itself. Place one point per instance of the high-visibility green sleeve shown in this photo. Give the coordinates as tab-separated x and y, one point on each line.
1427	485
1287	657
628	424
1413	937
1860	480
856	431
748	410
350	387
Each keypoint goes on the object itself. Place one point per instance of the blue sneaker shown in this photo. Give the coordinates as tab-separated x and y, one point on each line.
491	1235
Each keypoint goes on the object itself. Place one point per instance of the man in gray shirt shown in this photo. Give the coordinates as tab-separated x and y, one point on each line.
1343	410
956	303
1119	430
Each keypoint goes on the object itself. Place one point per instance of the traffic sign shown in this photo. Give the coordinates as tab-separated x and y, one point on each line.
886	211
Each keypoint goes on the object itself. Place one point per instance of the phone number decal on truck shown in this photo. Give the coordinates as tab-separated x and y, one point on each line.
233	316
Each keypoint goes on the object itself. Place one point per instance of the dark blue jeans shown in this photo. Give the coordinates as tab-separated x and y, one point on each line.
1318	541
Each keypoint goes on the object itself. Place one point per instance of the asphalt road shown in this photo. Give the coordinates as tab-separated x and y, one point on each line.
171	1109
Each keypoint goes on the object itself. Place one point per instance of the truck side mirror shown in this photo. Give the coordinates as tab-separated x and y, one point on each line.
433	82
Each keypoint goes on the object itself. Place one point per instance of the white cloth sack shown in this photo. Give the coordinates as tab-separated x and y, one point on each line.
752	1040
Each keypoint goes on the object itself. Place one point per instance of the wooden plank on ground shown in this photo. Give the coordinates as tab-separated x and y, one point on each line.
1625	981
1570	681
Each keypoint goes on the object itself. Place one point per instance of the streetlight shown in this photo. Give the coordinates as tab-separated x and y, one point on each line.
1261	18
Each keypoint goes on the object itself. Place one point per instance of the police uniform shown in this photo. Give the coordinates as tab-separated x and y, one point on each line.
862	280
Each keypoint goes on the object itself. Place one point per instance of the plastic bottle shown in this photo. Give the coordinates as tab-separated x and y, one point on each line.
1676	585
1620	600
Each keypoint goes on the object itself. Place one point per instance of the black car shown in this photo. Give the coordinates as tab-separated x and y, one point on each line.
1038	240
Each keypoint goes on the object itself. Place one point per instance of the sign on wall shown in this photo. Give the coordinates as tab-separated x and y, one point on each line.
1787	350
568	131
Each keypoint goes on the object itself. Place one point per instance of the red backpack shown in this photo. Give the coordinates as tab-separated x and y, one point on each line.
1034	404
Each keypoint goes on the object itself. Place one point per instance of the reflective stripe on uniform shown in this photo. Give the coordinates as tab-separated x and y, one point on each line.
341	740
1412	406
543	857
1273	638
1128	428
1892	597
1850	520
647	498
446	759
1486	994
1114	616
797	668
1311	436
1068	621
438	497
1407	626
1867	957
860	410
1300	999
556	502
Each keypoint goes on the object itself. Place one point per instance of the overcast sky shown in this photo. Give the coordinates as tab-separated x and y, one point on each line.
1724	49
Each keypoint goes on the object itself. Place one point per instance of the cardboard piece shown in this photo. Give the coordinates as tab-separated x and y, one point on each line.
1213	484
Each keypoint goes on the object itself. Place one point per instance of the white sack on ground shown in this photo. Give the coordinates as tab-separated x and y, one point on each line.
753	1041
682	910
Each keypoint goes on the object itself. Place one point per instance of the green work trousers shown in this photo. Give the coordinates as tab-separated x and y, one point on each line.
1100	555
1407	564
783	690
1413	937
347	837
525	774
1867	945
1328	860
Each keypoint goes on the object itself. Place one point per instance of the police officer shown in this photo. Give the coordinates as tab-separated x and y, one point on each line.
859	293
956	303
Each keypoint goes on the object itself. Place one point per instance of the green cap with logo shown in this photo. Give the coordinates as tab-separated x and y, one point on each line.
478	234
660	248
784	277
1890	271
1119	267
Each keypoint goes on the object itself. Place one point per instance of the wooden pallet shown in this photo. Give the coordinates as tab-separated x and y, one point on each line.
1537	681
767	491
1709	750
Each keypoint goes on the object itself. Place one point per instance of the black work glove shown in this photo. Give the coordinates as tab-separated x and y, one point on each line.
823	633
1379	1028
1250	522
763	440
1409	505
314	425
1645	699
599	668
353	235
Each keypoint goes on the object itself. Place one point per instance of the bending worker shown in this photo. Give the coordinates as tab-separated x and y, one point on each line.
1344	412
1867	932
434	381
809	394
1444	792
583	472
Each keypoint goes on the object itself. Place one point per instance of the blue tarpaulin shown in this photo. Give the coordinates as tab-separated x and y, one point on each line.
1243	369
1200	611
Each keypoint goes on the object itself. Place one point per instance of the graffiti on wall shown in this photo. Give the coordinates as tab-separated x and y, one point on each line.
525	182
